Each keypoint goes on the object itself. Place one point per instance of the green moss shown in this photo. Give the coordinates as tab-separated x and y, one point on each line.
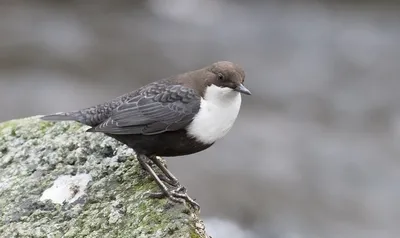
12	125
7	124
74	126
13	131
194	234
44	125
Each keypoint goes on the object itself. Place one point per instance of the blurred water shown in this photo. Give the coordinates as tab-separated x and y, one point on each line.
314	152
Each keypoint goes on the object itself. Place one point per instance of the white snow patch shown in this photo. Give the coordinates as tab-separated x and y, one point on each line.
3	185
67	188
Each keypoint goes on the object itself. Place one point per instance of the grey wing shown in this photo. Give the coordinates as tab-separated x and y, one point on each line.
154	110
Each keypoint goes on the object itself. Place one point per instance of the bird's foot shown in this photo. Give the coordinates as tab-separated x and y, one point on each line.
178	195
172	183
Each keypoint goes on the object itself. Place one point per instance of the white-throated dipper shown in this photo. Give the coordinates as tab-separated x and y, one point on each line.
176	116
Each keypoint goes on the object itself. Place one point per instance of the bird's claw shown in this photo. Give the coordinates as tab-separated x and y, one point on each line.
185	196
178	195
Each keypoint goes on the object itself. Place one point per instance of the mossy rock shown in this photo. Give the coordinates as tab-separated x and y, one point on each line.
56	180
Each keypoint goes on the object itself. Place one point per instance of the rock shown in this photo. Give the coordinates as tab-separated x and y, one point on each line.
56	180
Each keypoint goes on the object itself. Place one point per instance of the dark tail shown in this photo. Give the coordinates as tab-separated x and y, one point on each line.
63	116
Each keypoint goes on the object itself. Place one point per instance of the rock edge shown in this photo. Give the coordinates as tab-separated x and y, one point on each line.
56	180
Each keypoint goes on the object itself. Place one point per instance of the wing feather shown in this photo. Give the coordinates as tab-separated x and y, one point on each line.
157	109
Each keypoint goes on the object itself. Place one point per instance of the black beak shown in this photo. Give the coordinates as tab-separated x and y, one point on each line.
242	89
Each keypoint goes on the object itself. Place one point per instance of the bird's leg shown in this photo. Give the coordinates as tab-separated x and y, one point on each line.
177	195
173	180
162	177
165	191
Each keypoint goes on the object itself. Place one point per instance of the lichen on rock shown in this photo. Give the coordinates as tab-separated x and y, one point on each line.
56	180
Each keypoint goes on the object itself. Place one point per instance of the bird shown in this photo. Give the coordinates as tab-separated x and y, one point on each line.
174	116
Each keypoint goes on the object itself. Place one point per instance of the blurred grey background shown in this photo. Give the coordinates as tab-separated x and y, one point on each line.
315	151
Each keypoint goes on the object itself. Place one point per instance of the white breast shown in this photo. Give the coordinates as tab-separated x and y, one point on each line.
218	111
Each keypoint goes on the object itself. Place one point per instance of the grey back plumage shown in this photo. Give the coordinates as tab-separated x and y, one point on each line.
155	108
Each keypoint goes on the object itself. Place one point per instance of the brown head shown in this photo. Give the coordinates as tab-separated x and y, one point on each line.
223	74
227	74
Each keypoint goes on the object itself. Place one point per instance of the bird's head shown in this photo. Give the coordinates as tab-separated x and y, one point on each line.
227	75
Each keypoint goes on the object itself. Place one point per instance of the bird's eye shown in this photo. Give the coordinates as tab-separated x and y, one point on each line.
220	76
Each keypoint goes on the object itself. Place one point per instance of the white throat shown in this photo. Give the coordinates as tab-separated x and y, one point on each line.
218	111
